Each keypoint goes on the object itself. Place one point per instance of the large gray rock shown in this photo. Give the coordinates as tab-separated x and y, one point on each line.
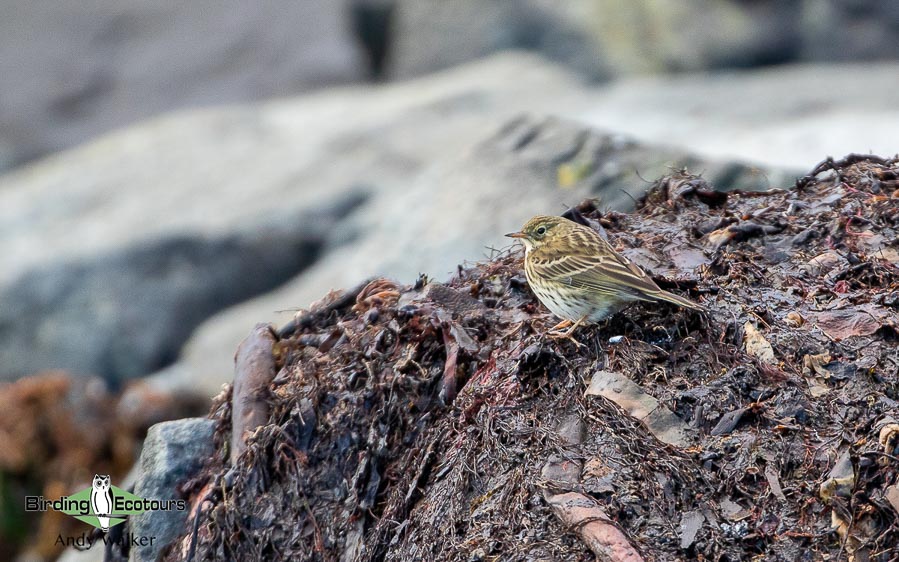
654	36
599	38
614	37
850	30
127	313
114	251
434	34
790	116
173	452
73	70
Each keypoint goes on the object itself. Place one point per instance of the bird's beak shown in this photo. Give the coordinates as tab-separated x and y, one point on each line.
515	235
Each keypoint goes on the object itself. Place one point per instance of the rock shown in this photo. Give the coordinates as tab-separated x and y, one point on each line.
824	262
609	37
850	30
432	35
72	73
241	200
780	116
733	511
572	429
559	471
126	314
697	35
173	452
598	38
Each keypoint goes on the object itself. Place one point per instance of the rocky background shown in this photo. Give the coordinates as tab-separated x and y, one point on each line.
175	174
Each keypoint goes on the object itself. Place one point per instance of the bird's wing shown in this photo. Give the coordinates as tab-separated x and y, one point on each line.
606	273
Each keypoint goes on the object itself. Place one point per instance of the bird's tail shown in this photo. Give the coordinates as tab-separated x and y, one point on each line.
678	300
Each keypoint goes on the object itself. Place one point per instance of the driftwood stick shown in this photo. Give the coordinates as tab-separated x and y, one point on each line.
254	369
590	522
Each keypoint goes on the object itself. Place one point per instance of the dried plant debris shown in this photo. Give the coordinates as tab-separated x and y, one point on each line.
438	422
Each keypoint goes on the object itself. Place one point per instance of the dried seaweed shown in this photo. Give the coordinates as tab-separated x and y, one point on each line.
434	421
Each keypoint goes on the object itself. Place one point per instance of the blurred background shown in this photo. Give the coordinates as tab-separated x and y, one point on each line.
173	173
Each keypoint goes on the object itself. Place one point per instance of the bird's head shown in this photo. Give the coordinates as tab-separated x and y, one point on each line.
542	230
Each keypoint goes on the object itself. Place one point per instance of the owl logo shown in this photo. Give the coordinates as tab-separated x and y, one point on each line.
101	500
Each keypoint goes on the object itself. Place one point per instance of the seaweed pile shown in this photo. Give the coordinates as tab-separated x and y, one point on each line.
438	421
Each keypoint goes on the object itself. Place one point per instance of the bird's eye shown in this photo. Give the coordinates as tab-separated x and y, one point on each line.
541	231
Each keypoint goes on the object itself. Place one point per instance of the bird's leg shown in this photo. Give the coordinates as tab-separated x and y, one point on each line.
557	334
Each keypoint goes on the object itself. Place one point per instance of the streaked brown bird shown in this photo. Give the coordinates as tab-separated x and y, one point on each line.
579	277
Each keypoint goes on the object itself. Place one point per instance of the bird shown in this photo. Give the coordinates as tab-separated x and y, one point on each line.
579	277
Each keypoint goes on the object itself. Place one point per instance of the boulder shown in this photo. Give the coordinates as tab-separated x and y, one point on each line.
126	313
173	452
71	73
850	30
603	38
787	116
239	201
431	35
